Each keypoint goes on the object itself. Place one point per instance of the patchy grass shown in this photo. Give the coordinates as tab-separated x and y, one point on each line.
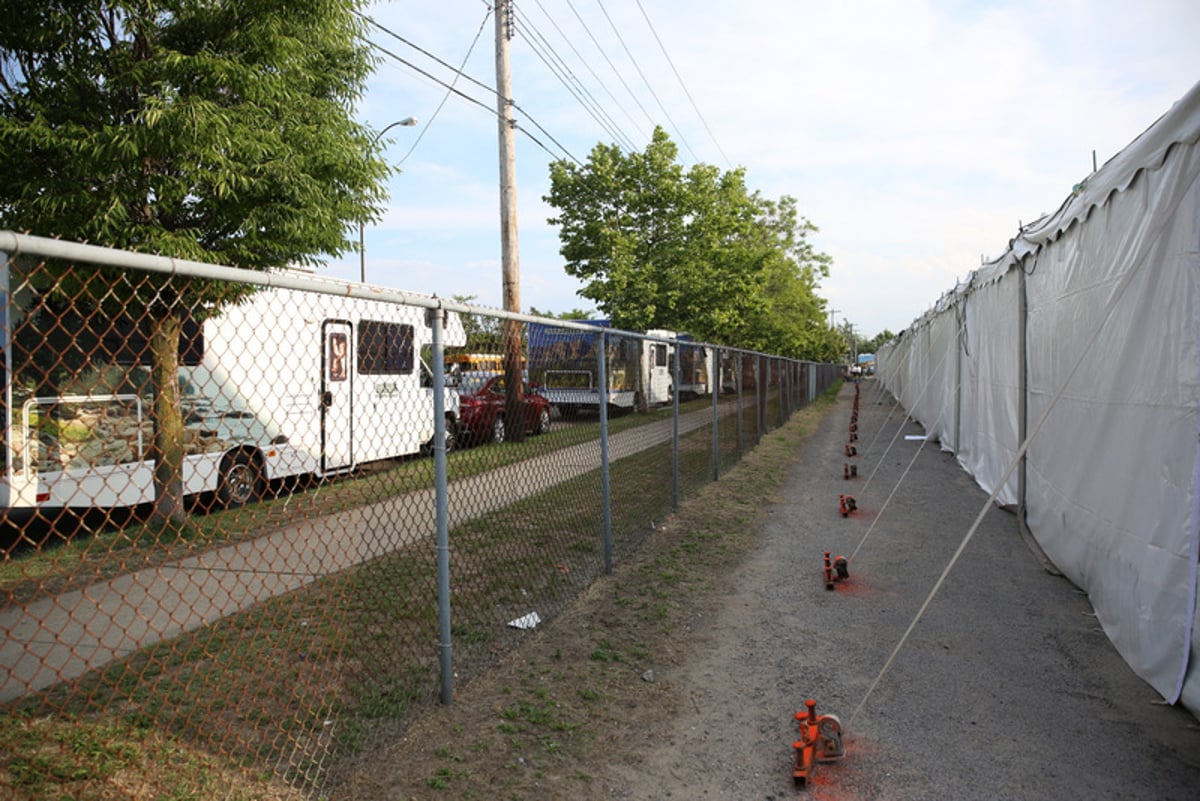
346	665
562	707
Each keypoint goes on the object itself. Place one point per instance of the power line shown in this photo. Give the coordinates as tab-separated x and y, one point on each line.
667	56
636	66
457	73
588	66
456	70
612	66
452	89
558	66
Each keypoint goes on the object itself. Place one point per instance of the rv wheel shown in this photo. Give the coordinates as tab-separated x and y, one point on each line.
451	438
241	480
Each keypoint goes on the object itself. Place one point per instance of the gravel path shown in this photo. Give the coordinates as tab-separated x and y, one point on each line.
1005	689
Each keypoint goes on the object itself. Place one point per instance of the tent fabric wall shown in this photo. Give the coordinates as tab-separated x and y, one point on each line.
990	387
1112	363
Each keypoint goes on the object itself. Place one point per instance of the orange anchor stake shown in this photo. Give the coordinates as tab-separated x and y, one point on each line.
849	471
851	450
836	569
846	504
820	741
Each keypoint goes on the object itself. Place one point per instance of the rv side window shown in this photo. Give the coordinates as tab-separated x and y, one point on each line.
385	348
660	355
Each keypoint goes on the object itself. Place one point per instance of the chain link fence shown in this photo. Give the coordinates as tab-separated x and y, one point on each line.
257	522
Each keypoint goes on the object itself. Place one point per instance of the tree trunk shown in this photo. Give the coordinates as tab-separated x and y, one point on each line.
167	451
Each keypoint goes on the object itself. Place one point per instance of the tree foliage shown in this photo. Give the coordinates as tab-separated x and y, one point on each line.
212	130
694	250
879	340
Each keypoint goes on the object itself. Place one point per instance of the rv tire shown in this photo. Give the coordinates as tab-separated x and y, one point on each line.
240	481
451	438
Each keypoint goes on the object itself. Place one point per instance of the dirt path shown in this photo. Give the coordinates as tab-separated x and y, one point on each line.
677	677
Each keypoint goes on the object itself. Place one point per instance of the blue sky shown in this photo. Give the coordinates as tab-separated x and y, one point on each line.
915	135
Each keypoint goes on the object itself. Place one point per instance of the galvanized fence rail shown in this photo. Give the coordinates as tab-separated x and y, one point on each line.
360	512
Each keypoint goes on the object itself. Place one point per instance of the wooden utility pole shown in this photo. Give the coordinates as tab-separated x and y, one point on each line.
509	261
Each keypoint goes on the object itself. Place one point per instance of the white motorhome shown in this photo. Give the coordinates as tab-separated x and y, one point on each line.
286	383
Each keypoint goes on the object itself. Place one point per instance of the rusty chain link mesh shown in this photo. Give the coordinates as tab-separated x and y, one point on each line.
270	622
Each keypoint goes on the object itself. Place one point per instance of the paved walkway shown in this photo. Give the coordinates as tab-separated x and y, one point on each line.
60	638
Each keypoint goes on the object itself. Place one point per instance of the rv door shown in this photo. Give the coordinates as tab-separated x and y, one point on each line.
337	394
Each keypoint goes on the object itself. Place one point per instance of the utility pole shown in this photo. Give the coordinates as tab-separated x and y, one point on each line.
509	261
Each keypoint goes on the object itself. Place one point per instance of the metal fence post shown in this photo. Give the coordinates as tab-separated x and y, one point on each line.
716	434
676	374
737	386
782	370
766	392
760	403
605	488
441	504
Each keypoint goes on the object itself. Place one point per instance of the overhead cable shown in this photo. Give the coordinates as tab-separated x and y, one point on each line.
649	88
679	78
545	51
587	63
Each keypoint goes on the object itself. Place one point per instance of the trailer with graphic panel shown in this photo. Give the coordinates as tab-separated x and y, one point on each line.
564	368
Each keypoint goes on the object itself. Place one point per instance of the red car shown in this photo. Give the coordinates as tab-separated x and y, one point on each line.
481	413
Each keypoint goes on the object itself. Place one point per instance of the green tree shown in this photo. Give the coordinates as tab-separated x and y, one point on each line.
573	314
689	250
879	340
212	130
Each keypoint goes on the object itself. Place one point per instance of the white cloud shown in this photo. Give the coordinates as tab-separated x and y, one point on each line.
914	134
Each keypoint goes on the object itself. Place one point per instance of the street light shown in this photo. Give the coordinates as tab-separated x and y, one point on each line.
407	122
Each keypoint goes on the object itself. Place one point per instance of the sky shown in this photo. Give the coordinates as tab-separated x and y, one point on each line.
916	136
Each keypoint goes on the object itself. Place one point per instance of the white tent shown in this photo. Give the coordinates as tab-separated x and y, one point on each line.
1083	340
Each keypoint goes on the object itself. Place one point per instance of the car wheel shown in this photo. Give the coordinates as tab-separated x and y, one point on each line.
240	481
544	421
498	432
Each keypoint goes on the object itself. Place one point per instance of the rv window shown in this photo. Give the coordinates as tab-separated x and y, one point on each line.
660	355
385	348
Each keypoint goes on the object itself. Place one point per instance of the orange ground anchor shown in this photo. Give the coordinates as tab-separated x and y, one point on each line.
851	451
849	471
836	569
846	504
820	741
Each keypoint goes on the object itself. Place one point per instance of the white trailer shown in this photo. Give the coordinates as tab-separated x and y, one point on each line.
286	383
693	368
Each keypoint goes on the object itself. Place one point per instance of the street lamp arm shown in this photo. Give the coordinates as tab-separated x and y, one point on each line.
407	122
